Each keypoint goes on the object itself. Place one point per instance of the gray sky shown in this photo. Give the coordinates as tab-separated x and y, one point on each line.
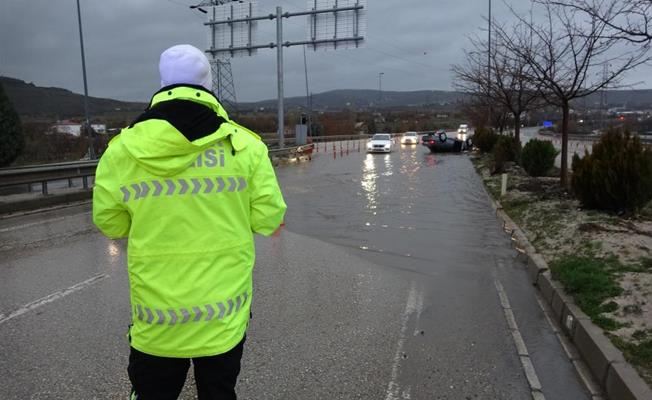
413	42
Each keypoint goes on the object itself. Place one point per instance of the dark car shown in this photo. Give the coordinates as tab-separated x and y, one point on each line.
440	142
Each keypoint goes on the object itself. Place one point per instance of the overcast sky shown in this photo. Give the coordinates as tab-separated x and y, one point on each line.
413	42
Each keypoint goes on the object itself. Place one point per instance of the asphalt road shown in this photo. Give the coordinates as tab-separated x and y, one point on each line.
385	285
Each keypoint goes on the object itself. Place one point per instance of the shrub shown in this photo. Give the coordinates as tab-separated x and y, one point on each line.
485	139
616	176
12	141
538	157
506	149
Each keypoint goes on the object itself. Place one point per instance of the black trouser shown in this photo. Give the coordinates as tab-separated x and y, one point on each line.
162	378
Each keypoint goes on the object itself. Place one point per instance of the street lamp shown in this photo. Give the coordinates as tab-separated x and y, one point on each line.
86	125
380	86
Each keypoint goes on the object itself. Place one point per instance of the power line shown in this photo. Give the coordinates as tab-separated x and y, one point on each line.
412	62
366	63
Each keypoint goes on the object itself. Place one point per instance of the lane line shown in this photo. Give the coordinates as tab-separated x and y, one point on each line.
521	348
412	305
53	297
28	225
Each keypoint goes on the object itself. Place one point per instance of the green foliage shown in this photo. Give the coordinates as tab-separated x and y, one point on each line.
616	176
538	157
639	354
12	141
591	282
485	139
507	149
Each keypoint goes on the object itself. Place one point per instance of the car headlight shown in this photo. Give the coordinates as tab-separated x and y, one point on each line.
369	145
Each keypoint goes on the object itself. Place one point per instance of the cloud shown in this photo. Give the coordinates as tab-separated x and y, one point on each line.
413	42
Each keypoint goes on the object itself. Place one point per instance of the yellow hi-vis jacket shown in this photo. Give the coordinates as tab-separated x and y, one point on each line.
189	209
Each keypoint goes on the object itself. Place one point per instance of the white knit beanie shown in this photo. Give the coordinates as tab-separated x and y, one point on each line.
184	63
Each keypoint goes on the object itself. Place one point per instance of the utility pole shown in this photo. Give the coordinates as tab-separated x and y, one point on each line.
279	71
348	23
222	85
308	102
86	125
603	97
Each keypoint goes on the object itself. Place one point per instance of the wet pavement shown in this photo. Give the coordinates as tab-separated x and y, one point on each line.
383	286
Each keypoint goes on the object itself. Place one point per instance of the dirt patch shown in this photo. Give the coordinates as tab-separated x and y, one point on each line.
634	306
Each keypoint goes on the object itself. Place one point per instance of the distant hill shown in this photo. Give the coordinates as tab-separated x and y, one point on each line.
337	99
56	103
631	99
363	98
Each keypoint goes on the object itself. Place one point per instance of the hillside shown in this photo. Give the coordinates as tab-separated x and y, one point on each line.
363	98
32	101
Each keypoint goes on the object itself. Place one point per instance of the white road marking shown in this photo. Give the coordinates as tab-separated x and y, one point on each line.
28	225
419	308
412	305
53	297
521	348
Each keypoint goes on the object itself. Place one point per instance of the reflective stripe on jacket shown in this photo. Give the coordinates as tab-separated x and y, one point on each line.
189	208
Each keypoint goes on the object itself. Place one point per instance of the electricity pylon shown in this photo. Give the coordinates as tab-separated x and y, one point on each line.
223	85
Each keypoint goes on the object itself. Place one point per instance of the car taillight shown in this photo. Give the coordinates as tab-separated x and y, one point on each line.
432	142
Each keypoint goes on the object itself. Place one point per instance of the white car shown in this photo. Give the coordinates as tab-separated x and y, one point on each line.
410	138
380	143
462	132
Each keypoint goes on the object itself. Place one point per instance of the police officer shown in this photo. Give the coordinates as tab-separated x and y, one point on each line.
188	187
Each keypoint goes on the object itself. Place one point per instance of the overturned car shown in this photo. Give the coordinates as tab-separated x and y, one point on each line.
440	142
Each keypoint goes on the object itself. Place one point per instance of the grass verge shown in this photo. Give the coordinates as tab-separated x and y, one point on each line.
591	282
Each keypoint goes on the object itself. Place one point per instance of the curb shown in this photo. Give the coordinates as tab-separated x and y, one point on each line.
45	201
607	365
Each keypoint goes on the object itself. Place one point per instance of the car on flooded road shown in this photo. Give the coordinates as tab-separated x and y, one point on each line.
440	142
463	131
380	143
410	138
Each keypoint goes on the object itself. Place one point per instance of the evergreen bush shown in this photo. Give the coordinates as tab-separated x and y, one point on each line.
505	150
12	141
538	157
485	139
616	176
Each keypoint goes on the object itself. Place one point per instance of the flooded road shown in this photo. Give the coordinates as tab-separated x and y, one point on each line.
428	216
385	285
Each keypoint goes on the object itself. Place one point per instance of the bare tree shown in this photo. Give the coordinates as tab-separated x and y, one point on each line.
510	86
629	20
569	57
476	109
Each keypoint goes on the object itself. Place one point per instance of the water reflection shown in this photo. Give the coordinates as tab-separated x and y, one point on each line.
369	181
388	166
431	161
113	249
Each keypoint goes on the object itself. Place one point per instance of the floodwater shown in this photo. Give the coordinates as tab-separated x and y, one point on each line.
429	217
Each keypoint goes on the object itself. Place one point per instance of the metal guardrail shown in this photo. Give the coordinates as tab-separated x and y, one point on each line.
44	173
27	175
645	139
